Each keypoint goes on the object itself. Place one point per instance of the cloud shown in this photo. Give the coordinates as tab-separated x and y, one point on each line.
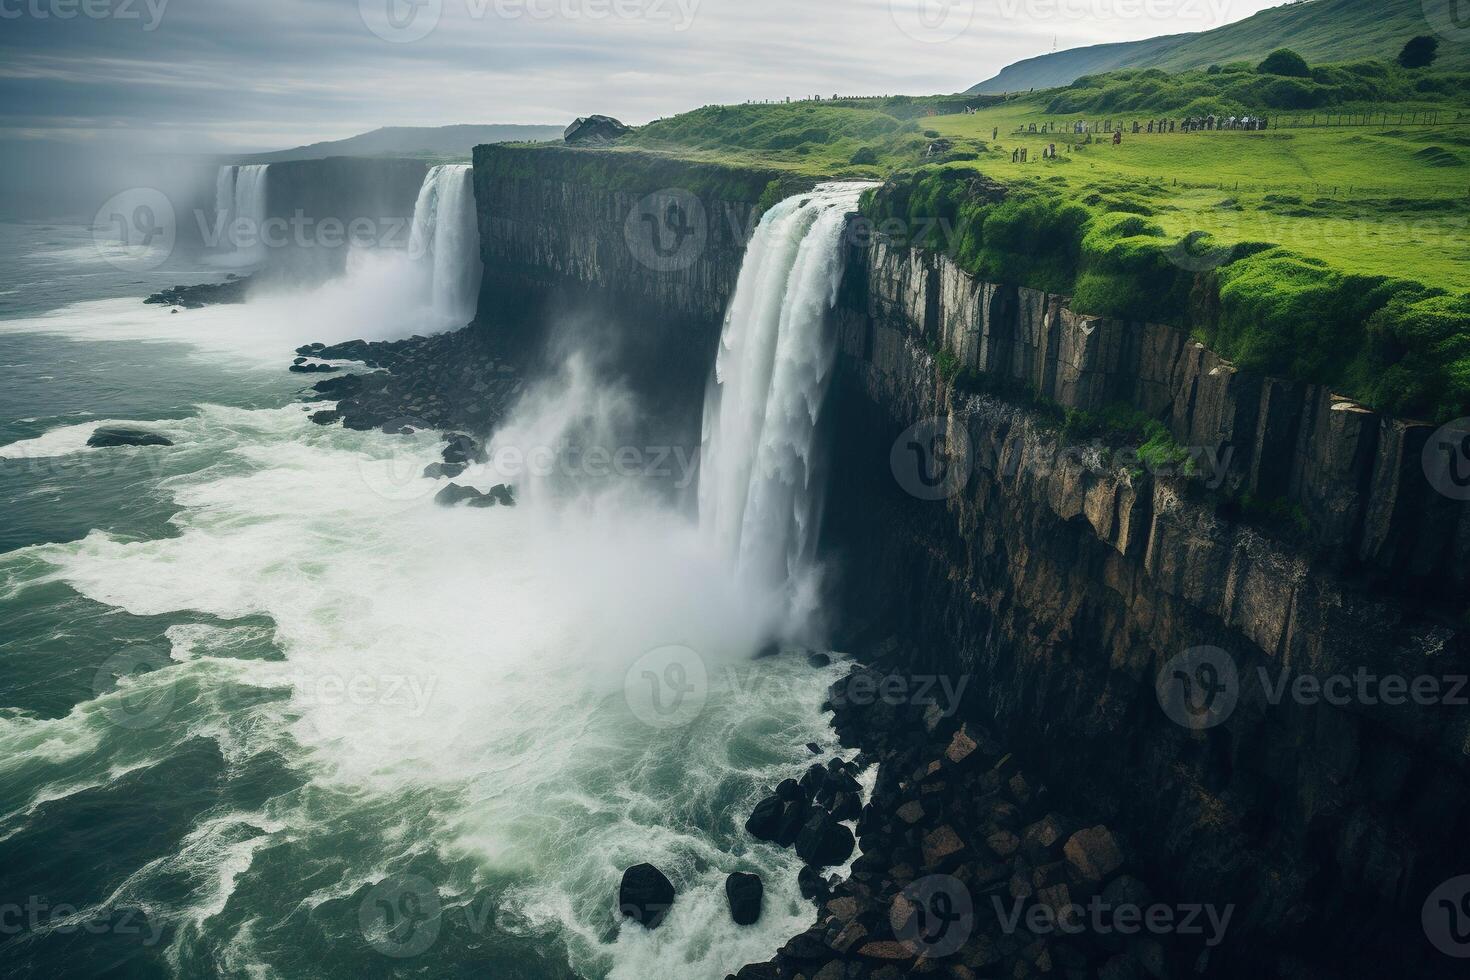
226	75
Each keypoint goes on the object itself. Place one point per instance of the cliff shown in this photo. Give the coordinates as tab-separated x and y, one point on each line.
641	251
1062	582
325	202
1064	587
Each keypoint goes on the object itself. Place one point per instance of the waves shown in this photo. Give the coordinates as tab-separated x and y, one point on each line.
760	485
328	682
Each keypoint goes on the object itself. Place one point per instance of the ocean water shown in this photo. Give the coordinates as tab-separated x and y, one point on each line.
268	711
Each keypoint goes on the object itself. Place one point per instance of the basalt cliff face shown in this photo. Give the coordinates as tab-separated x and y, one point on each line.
1061	581
1063	585
321	206
640	252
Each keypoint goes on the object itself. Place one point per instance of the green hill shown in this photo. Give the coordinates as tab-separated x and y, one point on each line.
1321	30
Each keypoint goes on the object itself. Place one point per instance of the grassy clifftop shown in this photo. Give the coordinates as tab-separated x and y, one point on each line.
1333	247
1322	30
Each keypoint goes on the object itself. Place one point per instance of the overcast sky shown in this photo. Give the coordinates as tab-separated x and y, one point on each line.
220	75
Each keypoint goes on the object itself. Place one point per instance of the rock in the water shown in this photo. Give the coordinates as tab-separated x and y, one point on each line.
232	290
823	841
793	818
765	819
818	659
108	436
443	471
645	895
1093	853
594	131
745	892
454	494
812	884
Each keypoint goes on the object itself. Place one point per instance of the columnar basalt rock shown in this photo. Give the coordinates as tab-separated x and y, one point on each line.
1063	585
1347	469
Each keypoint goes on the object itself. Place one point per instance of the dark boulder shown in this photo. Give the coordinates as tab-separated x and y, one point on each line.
823	841
818	659
793	818
814	781
443	471
108	436
745	892
812	884
645	895
847	806
790	791
454	495
765	819
594	131
461	448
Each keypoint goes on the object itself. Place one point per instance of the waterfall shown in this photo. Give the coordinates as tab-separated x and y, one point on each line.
760	486
240	199
224	198
446	236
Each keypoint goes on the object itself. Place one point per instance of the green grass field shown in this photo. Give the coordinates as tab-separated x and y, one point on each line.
1336	253
1383	200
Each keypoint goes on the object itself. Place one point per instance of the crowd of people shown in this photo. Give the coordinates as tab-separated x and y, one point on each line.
1188	124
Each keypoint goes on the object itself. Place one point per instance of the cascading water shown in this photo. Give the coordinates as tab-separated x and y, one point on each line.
446	236
240	208
759	487
224	198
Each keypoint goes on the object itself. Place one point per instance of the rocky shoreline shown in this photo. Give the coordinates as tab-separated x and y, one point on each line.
232	290
969	867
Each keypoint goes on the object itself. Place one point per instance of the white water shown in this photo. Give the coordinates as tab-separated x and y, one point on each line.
446	236
760	480
490	731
